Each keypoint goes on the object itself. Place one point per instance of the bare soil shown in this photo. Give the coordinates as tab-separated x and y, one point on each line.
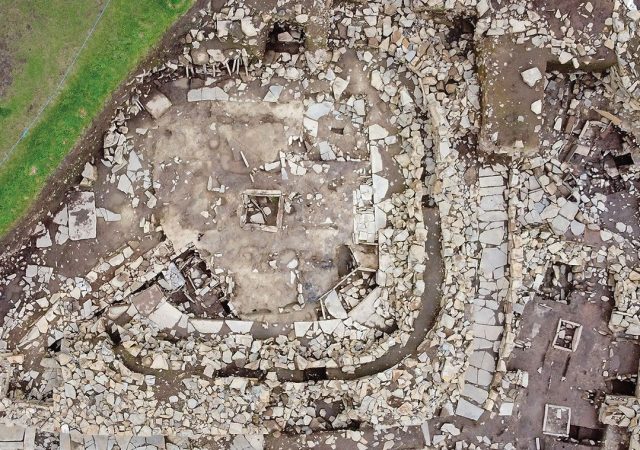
6	64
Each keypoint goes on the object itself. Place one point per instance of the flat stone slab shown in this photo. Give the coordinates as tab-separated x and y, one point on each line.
329	326
493	203
569	210
11	433
483	360
166	315
206	326
488	332
560	225
475	393
380	188
492	259
239	326
248	442
334	306
157	105
11	445
82	216
301	328
493	236
148	300
467	409
366	308
492	181
207	94
377	132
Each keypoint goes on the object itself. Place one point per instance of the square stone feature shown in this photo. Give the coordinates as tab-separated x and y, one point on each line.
9	434
567	335
157	105
557	420
261	210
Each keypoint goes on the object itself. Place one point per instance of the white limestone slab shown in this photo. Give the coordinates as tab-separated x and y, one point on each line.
334	305
239	326
367	307
206	326
468	410
328	326
301	328
166	315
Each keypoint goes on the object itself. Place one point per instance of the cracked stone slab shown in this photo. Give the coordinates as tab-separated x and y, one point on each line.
475	393
82	216
206	326
166	315
239	326
467	409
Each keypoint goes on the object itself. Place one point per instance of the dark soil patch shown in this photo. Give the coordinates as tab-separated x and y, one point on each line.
5	72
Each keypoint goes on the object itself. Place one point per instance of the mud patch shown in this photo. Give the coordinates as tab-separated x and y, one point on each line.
5	72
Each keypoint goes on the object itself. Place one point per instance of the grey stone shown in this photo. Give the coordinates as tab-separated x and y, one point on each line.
239	326
82	216
165	315
157	105
214	94
377	132
474	393
468	410
531	76
492	258
560	225
494	236
334	305
569	210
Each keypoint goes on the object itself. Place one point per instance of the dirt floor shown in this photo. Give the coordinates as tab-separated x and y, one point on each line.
311	233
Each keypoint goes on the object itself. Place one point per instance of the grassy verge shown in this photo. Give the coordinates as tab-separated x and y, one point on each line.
124	36
38	39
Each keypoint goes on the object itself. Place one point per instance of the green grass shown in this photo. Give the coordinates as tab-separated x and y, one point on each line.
124	36
41	37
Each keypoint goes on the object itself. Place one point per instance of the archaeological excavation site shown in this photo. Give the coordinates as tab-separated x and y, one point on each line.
342	224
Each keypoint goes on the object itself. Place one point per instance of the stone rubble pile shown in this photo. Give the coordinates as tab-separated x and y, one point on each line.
128	360
620	411
405	212
626	296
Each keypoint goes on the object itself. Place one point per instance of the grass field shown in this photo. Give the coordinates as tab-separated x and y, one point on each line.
38	39
123	37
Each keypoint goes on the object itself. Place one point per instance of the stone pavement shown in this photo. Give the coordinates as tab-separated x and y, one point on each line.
488	317
17	437
103	442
